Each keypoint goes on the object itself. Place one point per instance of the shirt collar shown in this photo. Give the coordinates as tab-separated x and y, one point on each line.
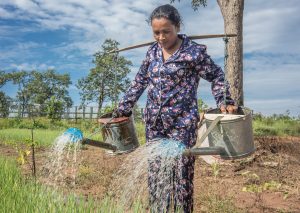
186	42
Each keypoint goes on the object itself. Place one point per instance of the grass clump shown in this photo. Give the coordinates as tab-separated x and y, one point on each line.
25	195
21	195
276	125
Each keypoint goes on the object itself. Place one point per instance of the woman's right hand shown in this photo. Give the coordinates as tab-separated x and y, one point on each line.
228	109
116	114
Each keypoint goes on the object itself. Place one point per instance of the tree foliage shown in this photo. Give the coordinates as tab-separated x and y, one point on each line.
4	105
107	79
195	3
202	106
3	78
4	100
49	84
55	108
37	88
21	79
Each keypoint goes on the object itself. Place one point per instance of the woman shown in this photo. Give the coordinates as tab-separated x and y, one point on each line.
171	70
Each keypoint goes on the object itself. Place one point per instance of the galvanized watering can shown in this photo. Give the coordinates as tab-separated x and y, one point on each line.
229	135
118	134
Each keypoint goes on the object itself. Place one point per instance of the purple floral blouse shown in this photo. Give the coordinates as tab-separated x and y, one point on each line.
172	85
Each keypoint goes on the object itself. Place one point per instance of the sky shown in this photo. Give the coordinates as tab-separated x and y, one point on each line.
64	34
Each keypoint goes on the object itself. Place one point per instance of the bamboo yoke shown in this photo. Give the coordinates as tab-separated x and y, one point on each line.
195	37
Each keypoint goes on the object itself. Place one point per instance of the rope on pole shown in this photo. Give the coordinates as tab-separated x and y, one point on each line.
226	40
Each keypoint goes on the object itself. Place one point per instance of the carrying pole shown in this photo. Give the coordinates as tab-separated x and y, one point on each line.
195	37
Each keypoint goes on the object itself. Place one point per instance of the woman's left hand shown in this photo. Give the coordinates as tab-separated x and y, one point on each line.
228	109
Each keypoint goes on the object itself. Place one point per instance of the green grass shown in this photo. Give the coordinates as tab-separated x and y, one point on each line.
15	131
276	126
44	123
140	131
21	195
41	136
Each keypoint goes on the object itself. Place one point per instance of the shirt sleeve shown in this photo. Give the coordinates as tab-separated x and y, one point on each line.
136	89
213	73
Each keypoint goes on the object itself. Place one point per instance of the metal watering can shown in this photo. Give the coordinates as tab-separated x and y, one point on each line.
229	135
118	134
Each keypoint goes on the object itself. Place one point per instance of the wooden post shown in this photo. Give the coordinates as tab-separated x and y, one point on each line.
68	113
33	155
83	112
19	110
76	114
91	113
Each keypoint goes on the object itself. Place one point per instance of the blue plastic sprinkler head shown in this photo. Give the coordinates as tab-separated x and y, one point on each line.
74	134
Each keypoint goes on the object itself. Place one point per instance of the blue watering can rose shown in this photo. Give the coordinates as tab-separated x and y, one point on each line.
75	134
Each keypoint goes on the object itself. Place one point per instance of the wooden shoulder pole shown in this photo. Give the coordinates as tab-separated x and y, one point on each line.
195	37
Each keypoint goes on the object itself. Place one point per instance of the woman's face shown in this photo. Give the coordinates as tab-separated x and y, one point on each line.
165	32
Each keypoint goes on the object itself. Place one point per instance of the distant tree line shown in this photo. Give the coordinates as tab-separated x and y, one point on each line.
48	90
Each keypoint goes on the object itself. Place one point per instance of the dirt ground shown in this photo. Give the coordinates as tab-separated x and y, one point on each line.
267	181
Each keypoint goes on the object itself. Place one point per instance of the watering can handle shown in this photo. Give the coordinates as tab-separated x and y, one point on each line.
210	128
201	119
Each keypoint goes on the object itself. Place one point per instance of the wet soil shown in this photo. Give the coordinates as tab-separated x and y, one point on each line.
267	181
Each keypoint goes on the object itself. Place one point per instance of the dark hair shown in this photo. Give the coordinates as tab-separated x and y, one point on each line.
166	11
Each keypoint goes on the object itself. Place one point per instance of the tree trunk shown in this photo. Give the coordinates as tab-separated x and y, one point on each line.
232	11
100	102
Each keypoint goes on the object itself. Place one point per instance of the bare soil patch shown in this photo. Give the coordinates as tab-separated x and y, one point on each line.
270	177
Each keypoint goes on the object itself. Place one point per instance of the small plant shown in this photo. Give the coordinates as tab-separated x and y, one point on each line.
255	186
23	154
24	150
216	169
85	171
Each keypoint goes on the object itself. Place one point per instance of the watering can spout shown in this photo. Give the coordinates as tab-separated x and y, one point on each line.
217	150
75	135
99	144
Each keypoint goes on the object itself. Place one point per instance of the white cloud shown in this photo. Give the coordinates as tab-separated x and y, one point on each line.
271	32
30	66
271	26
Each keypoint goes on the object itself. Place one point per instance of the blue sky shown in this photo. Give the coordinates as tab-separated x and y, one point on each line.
64	35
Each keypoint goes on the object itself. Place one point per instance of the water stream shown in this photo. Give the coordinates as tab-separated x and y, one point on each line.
130	183
60	169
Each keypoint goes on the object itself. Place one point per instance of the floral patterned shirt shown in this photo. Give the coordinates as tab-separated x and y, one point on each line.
172	85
